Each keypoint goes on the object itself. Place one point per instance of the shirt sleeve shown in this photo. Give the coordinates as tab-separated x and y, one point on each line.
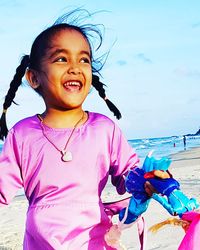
123	158
10	173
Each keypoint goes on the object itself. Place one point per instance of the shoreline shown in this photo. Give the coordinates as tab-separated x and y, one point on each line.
185	167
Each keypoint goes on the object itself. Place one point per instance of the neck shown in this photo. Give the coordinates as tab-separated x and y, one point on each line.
63	119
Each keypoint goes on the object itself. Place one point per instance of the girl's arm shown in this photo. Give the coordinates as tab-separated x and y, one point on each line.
10	172
123	158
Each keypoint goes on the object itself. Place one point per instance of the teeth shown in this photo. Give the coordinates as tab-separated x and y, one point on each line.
72	84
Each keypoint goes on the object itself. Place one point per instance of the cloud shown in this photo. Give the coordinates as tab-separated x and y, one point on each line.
196	25
193	100
143	58
2	31
9	3
184	72
121	62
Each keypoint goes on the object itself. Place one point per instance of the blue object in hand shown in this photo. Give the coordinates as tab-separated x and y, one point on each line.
170	196
139	201
150	163
135	209
176	203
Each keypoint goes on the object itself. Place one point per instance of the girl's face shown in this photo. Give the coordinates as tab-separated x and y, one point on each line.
66	71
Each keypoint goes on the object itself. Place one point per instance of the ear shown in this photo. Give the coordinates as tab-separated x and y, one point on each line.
31	77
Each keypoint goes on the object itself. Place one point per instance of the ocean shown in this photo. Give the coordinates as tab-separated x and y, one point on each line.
163	146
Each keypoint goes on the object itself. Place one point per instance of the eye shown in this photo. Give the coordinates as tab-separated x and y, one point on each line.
85	60
61	59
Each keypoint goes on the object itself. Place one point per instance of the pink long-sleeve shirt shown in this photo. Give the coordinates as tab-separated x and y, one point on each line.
65	208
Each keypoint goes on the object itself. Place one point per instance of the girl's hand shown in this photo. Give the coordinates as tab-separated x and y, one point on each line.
149	189
155	173
158	173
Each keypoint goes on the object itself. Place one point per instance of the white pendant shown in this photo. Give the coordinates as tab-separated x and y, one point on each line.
66	155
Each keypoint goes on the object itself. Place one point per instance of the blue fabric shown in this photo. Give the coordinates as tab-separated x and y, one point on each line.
135	184
176	203
135	209
150	164
164	186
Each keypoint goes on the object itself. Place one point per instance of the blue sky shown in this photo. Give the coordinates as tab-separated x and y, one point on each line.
153	69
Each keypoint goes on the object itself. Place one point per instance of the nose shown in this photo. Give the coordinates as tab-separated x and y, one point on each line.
74	69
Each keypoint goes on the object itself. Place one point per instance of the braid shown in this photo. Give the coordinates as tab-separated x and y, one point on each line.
99	86
14	85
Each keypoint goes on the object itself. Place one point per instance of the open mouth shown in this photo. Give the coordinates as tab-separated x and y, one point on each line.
72	86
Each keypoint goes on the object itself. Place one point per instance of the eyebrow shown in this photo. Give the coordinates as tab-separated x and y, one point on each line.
59	51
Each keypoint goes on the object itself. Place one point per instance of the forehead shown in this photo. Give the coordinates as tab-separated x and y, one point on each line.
69	39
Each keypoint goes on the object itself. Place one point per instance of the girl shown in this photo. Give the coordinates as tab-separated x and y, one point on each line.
64	156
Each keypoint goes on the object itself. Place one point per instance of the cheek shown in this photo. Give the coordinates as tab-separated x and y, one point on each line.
89	85
89	78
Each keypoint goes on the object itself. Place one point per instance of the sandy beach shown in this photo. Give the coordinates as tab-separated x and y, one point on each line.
185	168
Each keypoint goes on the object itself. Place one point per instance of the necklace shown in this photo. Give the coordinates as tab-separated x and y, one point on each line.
66	155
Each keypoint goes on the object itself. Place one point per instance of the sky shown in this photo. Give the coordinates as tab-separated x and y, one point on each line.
152	71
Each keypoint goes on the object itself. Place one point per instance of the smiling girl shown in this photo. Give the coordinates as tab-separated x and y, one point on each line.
63	156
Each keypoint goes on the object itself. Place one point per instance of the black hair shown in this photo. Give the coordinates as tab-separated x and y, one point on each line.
39	47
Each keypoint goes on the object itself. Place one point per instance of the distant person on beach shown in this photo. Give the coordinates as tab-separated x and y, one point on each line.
184	142
64	156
